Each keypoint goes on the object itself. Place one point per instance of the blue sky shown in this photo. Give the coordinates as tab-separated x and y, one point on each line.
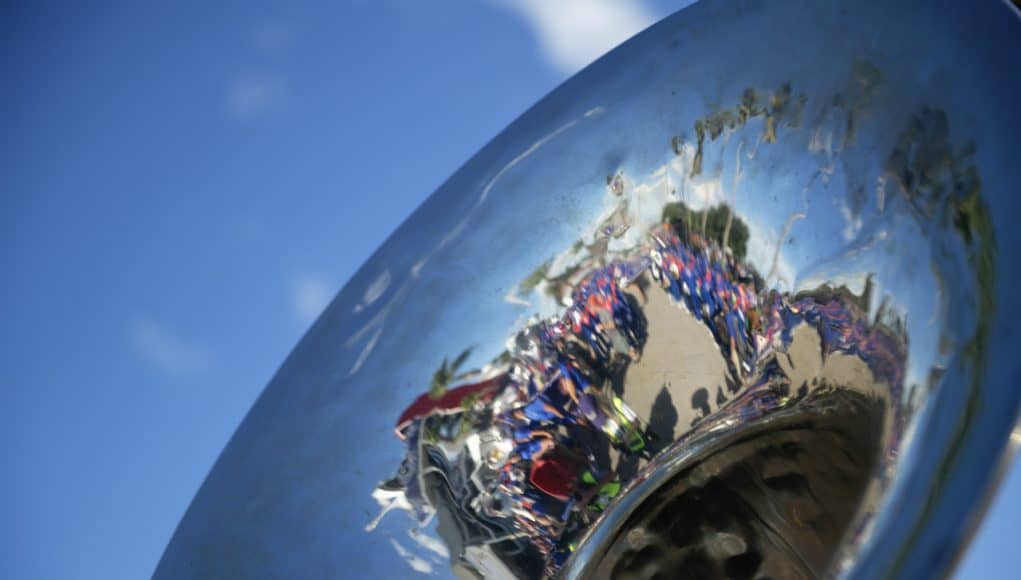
186	186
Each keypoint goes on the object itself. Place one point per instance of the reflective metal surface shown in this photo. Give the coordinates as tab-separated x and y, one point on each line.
732	302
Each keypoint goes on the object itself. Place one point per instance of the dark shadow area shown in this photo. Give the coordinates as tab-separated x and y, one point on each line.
662	421
733	385
598	445
617	381
640	324
775	503
628	466
720	397
700	402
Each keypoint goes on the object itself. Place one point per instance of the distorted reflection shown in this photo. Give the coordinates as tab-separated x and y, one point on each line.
730	303
516	460
665	339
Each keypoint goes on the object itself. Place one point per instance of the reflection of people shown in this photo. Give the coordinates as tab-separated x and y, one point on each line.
557	473
539	409
531	442
567	387
557	395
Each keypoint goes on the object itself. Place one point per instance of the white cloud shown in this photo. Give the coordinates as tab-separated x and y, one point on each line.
253	95
417	564
160	347
852	223
259	90
273	36
311	296
511	297
430	543
573	33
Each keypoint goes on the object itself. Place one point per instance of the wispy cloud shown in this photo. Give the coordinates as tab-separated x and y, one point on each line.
573	33
164	349
250	96
311	295
263	87
417	564
431	543
273	36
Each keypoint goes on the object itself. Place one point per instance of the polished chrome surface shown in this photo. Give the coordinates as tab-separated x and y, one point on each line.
732	302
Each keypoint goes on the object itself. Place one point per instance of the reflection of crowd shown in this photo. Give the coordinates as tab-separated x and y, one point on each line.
714	287
553	407
563	405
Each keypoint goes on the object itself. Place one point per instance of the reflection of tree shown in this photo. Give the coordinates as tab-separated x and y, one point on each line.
713	224
446	374
843	294
941	181
776	108
559	286
533	279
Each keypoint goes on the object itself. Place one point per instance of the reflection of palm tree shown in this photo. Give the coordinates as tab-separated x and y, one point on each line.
446	374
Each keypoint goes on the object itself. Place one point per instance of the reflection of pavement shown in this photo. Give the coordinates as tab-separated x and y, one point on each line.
775	505
807	368
679	358
805	364
682	375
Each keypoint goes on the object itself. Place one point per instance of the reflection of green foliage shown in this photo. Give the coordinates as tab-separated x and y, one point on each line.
557	284
446	374
464	427
865	80
685	219
753	104
827	292
782	108
861	88
677	214
971	218
429	434
504	357
533	279
470	400
935	178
